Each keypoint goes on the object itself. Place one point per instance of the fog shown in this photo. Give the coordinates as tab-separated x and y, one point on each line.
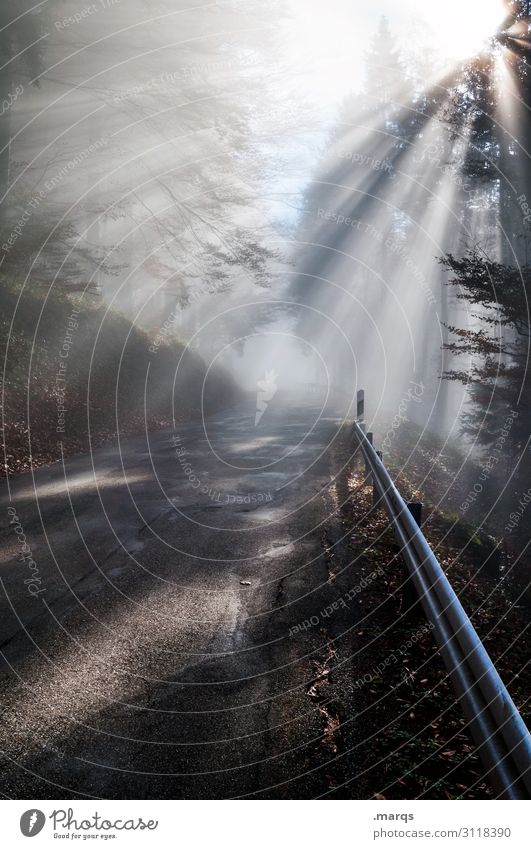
254	181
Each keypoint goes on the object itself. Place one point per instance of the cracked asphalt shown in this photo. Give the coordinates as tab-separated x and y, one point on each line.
156	659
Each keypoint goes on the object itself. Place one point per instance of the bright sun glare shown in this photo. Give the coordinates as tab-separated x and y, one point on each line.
326	39
461	27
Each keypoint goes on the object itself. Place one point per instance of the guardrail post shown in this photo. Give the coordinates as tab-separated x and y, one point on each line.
415	508
409	592
360	412
375	496
370	440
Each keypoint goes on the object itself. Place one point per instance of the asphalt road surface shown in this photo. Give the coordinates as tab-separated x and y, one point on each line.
153	595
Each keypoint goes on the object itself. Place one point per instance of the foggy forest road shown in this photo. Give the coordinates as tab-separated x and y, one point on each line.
154	658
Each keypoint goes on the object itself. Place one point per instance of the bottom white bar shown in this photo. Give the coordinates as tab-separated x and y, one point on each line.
261	824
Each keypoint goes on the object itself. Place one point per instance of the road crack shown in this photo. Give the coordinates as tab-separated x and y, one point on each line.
317	693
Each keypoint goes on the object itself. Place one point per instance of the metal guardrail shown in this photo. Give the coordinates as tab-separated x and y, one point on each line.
499	732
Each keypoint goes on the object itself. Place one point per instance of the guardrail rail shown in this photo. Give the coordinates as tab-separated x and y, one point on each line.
499	732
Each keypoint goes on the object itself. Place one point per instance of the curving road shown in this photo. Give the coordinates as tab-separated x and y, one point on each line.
154	595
